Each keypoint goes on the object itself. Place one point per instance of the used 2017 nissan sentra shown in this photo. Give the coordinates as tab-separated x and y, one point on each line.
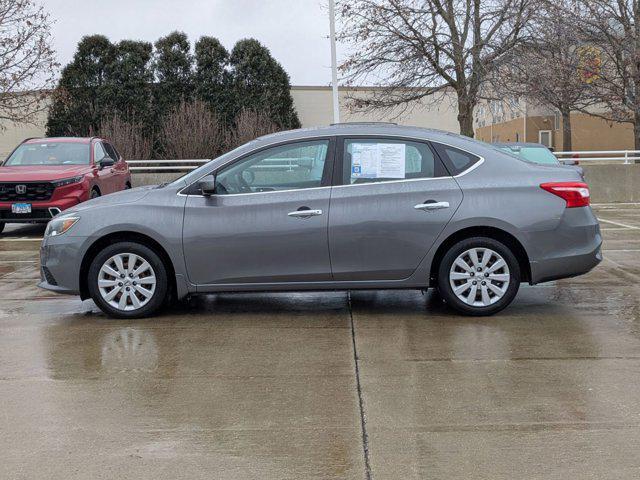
355	206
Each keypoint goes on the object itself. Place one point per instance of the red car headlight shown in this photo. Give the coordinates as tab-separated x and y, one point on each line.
67	181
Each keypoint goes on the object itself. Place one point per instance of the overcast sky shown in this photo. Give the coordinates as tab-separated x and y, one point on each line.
295	31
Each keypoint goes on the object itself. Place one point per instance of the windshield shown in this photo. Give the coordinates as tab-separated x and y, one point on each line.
53	153
533	154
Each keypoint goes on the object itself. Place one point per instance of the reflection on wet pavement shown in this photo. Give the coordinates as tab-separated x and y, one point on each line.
265	386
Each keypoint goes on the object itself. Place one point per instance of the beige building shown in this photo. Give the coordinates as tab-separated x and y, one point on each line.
510	121
314	107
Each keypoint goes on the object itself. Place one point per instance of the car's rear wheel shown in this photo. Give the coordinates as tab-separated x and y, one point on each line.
479	276
128	280
95	193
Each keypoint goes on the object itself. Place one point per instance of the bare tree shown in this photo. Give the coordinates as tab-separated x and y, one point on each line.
611	32
249	125
418	48
128	136
544	68
27	60
192	130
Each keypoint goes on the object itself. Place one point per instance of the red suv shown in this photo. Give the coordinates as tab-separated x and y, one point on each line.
44	176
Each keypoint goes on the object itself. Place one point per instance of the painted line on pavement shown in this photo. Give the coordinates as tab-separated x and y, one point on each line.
21	239
632	227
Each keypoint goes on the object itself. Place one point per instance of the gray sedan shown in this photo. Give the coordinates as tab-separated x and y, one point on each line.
355	206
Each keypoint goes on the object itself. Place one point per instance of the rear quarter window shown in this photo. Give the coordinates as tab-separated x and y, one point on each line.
456	160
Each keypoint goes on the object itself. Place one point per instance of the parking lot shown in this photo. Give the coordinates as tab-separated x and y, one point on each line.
380	385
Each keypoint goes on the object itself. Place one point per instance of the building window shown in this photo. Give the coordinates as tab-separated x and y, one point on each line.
545	137
556	121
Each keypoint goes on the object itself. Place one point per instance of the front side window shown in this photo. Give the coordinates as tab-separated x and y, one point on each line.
111	152
50	153
286	167
367	160
98	152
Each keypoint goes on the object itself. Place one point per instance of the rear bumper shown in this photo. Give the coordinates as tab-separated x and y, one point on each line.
571	248
565	267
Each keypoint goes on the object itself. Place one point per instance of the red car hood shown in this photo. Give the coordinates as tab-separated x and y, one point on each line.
41	172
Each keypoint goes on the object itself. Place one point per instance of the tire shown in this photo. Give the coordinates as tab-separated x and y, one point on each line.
496	283
2	227
108	296
94	193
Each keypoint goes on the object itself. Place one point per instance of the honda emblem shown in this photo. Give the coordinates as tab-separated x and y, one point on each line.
21	189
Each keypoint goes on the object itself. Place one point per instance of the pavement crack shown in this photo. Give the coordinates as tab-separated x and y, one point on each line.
363	417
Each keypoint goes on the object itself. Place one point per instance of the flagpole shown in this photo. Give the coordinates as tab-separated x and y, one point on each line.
334	62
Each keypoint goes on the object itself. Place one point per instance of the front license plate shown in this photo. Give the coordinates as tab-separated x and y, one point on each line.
21	208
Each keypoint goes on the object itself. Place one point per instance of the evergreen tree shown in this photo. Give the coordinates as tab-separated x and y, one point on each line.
212	79
129	80
173	73
80	100
261	84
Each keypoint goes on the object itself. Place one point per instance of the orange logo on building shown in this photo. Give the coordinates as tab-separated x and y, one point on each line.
589	63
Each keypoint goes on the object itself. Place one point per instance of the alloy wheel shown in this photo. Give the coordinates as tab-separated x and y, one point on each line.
479	277
127	281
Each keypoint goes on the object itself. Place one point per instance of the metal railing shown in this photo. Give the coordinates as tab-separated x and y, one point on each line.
152	166
626	156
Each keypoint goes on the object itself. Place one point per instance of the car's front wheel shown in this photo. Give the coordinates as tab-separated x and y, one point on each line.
128	280
479	276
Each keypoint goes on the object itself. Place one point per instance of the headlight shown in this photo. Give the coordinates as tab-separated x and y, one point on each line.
60	225
67	181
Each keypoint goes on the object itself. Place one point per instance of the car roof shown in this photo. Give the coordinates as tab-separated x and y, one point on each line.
367	128
519	144
59	140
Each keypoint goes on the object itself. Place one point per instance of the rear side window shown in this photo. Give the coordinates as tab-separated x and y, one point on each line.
371	160
457	161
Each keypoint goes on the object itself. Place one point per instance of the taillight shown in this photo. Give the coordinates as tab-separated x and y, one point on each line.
576	194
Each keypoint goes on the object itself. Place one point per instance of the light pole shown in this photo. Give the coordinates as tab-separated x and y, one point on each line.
334	63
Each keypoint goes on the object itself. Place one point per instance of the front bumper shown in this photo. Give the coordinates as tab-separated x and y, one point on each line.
37	215
60	261
42	211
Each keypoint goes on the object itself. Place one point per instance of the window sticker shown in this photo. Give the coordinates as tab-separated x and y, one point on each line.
378	160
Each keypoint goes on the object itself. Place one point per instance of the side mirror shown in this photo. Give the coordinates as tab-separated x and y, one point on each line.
207	187
106	162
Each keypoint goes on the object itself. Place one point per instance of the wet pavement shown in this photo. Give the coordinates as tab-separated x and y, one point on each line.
381	385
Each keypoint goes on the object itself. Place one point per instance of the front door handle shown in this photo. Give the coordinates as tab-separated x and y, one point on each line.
305	213
431	205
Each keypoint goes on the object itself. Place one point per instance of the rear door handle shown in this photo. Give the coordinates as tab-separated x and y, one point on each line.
305	213
431	205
